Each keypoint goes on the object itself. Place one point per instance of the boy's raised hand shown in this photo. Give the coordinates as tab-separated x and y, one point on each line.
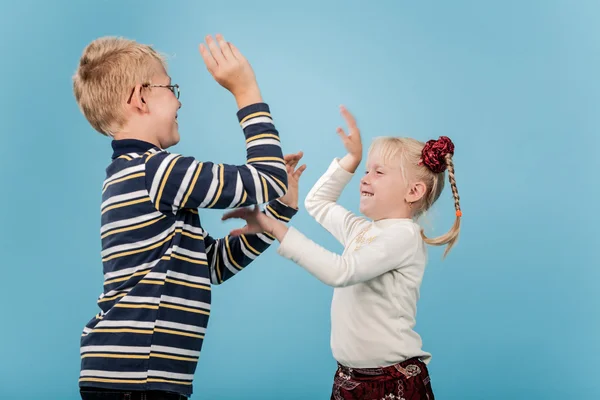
230	69
290	199
257	221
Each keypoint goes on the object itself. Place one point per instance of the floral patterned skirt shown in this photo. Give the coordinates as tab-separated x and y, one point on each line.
408	380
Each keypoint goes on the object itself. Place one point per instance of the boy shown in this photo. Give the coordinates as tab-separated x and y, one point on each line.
159	263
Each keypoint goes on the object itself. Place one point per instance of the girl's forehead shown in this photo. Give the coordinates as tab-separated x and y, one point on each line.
376	161
375	158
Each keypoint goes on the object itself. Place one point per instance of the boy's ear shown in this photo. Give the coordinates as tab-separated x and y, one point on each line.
136	100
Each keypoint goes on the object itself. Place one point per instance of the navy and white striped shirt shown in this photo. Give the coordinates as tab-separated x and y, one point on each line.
159	263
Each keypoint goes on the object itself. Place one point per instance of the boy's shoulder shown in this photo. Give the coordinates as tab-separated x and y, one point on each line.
130	153
129	160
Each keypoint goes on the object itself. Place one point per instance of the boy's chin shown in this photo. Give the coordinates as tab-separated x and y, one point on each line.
172	140
176	139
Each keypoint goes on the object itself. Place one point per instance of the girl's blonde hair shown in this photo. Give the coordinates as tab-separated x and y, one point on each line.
425	162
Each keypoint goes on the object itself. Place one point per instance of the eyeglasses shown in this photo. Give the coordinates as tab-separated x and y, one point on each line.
172	88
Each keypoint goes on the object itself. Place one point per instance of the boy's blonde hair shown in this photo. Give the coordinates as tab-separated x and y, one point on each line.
108	71
409	153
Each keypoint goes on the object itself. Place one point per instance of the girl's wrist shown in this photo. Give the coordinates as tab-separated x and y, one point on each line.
278	229
350	162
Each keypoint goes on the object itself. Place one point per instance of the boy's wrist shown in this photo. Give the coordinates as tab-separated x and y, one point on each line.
245	112
247	96
290	203
281	211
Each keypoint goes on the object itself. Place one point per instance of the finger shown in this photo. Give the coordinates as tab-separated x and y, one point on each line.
225	50
293	155
298	156
350	120
289	157
215	50
236	53
292	163
291	160
209	60
240	213
342	134
229	45
299	172
239	231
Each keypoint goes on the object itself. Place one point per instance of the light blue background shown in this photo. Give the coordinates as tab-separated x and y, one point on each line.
512	312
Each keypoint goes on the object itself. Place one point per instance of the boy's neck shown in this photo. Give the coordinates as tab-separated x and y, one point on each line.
130	145
132	136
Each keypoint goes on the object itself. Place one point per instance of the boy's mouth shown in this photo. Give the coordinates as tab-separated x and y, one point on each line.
366	194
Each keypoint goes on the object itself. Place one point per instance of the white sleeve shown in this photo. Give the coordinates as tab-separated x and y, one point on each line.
392	249
321	204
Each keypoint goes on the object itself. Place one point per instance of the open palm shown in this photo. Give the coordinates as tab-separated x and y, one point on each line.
256	221
352	141
291	161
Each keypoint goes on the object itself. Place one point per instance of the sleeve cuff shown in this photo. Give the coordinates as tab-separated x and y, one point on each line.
292	244
280	211
251	109
339	172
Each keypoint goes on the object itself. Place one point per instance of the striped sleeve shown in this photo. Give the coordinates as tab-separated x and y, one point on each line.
229	255
175	182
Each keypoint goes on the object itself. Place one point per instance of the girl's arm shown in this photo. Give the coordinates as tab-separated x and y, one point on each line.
390	250
321	200
321	204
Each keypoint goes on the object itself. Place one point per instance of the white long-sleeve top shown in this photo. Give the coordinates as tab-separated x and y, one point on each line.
376	279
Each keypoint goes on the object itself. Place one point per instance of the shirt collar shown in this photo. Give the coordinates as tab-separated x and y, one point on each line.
125	146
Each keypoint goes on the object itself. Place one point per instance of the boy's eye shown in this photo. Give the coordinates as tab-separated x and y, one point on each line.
379	173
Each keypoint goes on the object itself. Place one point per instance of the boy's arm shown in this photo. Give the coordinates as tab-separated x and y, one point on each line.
229	255
175	182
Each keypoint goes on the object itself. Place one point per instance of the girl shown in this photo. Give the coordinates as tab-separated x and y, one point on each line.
378	277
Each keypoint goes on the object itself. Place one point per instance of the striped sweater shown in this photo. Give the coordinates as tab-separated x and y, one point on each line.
159	263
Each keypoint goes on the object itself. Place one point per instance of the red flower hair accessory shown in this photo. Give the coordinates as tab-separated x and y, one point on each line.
434	154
